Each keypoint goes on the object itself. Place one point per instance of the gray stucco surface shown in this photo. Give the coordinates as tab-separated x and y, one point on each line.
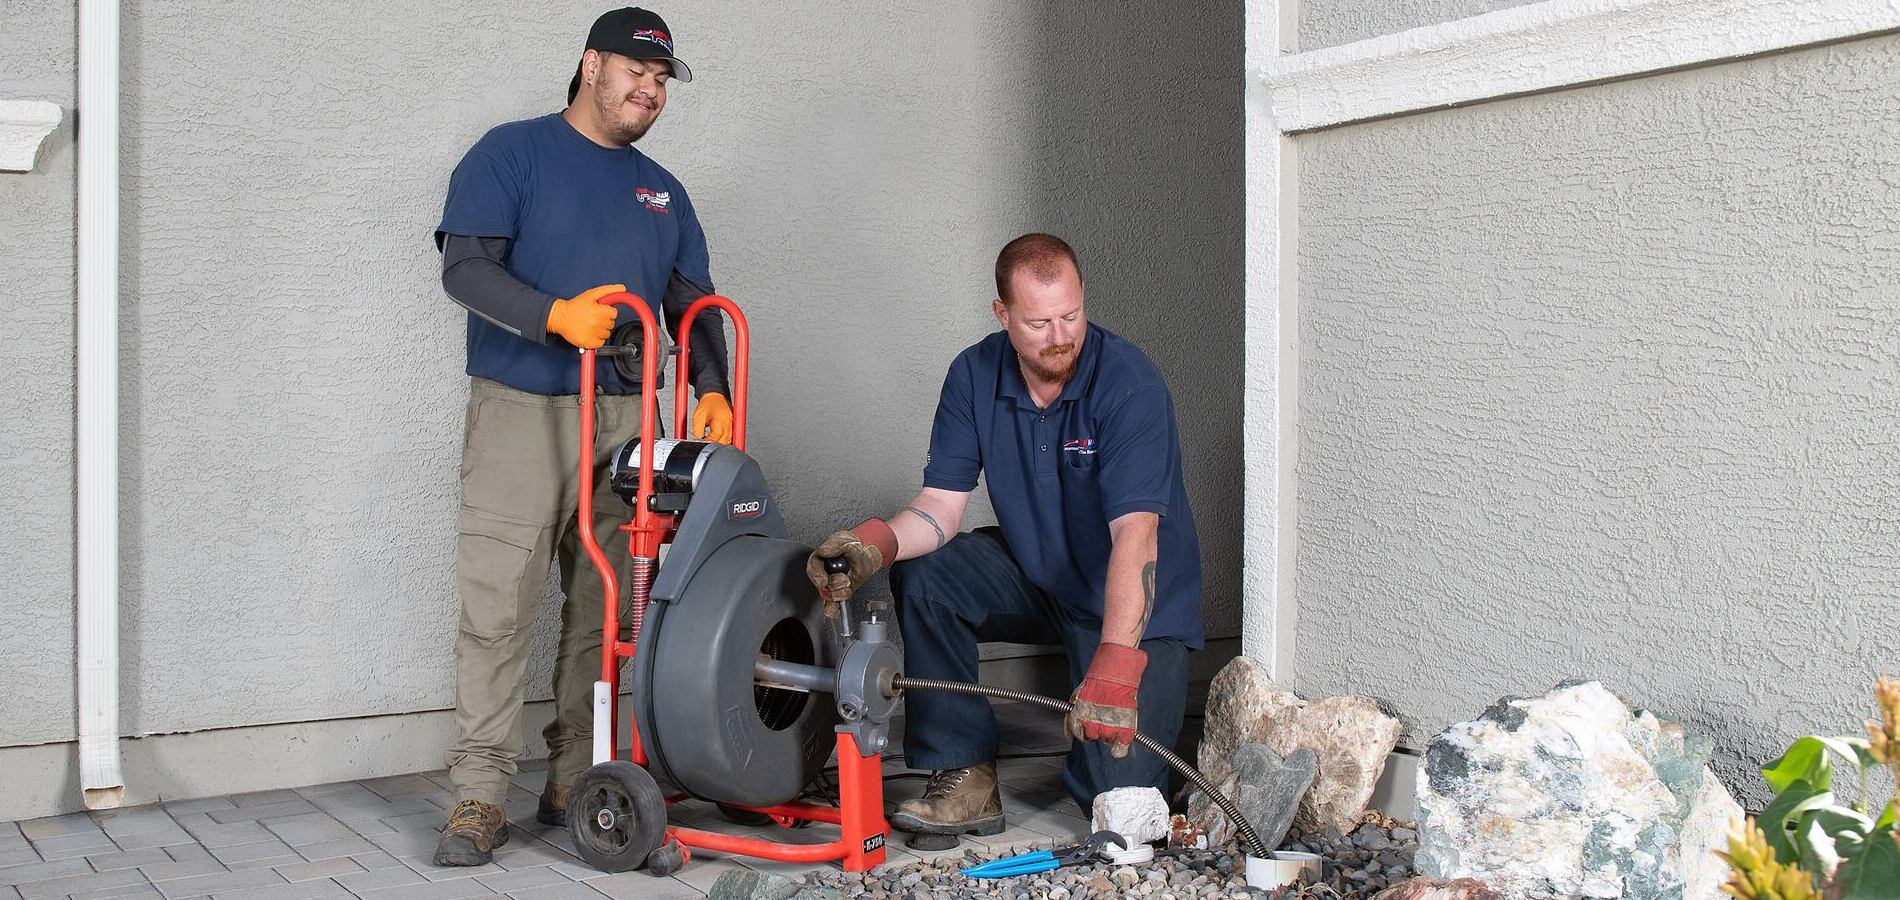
36	460
292	375
1336	22
1602	383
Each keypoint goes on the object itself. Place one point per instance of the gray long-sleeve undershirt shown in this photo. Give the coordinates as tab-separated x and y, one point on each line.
474	275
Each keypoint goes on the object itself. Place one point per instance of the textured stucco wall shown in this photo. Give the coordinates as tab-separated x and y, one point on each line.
1602	383
292	372
36	460
1335	22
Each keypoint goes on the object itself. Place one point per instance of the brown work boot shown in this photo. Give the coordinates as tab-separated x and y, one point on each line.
553	809
474	830
956	801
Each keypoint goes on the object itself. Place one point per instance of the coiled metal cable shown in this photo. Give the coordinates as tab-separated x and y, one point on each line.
1255	846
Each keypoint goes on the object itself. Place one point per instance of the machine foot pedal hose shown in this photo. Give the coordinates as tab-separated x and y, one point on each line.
1247	836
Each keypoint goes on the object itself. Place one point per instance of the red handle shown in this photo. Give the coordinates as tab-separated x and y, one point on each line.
649	420
743	352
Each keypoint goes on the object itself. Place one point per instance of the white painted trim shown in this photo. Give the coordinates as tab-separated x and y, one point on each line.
1267	604
24	126
1546	46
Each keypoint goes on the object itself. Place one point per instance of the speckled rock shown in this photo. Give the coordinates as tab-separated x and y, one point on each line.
1352	738
1573	795
1439	889
1268	790
1241	700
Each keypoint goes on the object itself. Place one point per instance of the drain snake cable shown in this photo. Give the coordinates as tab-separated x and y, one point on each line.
1255	846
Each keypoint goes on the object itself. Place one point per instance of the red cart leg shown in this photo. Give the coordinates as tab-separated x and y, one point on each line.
860	806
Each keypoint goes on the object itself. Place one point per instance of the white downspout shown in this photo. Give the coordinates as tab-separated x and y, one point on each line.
97	387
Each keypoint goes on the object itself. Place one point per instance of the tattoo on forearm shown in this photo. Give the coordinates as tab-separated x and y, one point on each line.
1147	594
927	521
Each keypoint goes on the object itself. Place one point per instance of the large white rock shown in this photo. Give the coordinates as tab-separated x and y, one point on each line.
1138	814
1572	795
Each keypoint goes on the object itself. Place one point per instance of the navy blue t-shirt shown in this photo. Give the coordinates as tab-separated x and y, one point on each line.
1106	447
578	215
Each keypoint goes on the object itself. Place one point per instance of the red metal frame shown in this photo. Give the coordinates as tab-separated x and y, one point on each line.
860	811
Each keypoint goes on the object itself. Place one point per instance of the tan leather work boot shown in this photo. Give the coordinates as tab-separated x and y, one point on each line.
553	809
474	830
955	801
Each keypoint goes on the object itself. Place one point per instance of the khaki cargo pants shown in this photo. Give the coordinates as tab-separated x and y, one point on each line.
520	496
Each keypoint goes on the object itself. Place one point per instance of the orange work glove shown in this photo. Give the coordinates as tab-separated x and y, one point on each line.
584	321
712	418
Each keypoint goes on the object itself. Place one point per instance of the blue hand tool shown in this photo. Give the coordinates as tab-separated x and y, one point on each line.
1046	860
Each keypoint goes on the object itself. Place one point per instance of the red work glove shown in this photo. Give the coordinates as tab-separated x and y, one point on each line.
868	546
1105	701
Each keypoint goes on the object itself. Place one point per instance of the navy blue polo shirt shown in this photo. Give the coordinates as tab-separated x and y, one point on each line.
579	215
1106	447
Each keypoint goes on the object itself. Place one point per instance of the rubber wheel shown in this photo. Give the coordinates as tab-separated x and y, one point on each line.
666	860
616	815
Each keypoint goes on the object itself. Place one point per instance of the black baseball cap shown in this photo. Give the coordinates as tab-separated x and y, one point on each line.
633	32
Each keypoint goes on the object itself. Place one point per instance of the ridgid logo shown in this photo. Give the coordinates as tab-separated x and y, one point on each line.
658	201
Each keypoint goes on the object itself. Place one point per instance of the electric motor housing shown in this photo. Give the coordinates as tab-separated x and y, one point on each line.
676	467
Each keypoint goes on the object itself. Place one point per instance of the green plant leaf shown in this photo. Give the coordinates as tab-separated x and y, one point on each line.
1806	760
1873	873
1887	818
1788	806
1814	845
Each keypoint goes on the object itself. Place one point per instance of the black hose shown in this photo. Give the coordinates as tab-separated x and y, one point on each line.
1247	836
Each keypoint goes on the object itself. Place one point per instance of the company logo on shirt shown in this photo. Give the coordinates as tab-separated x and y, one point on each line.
1082	446
656	36
654	200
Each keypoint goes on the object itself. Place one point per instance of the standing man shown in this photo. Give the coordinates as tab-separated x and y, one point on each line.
544	217
1073	428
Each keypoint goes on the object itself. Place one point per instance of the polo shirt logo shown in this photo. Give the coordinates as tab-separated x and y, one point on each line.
654	200
1082	446
655	36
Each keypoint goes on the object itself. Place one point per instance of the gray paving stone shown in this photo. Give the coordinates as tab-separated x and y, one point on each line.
524	879
132	820
218	882
431	820
122	892
572	890
429	870
526	854
128	859
333	789
701	873
266	798
376	859
213	834
189	853
160	873
7	892
311	828
11	838
642	886
378	879
266	862
308	890
19	857
441	890
78	844
349	846
296	806
328	868
162	838
255	850
400	785
43	871
204	804
54	826
60	887
404	844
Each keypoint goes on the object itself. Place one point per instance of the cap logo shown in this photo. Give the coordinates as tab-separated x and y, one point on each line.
656	36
